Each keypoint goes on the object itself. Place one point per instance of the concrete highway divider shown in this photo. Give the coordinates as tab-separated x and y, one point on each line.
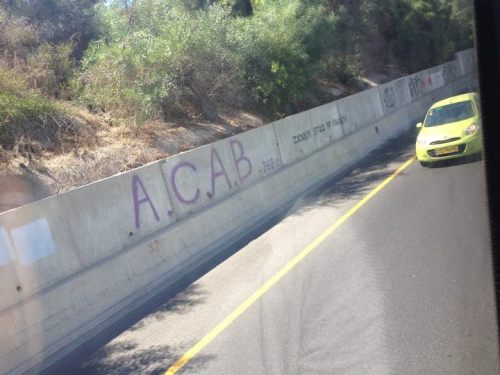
360	110
73	264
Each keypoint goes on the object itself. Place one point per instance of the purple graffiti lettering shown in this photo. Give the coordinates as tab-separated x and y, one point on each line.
240	159
178	194
215	174
136	183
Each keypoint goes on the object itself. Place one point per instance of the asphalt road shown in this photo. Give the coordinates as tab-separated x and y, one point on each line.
403	286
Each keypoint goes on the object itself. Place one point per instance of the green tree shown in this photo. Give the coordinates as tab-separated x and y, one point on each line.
280	48
158	55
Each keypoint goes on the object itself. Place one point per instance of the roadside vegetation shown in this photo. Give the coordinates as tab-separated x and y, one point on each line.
69	69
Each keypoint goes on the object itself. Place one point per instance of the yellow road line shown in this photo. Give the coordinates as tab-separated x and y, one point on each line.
200	345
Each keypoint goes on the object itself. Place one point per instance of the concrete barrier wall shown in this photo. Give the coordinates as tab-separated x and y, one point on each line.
75	263
303	134
117	211
467	61
198	178
360	110
394	95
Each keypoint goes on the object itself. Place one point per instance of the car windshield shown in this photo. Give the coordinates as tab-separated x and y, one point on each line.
205	187
449	113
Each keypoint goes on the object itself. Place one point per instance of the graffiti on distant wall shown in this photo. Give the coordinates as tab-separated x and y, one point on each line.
415	85
400	90
389	98
319	130
395	95
418	85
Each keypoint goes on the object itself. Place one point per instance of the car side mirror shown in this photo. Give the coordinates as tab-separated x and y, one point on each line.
419	125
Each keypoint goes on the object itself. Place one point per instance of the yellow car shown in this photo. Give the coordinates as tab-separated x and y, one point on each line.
451	129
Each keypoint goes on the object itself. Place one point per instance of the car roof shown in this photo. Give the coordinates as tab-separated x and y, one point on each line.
455	99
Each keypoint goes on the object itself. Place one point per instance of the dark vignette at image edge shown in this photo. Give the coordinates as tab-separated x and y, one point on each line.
487	21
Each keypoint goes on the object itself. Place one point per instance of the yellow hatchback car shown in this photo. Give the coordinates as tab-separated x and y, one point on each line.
451	129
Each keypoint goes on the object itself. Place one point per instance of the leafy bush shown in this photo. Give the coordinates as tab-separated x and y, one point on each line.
171	57
30	120
154	56
18	106
51	68
280	47
157	56
14	108
417	33
17	101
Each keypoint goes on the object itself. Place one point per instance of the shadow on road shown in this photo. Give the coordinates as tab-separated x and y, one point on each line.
125	358
358	182
455	162
101	355
181	303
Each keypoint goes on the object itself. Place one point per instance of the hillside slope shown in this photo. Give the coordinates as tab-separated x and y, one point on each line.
33	167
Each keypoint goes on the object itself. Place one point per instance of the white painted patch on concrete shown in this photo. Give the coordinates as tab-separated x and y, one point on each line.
33	241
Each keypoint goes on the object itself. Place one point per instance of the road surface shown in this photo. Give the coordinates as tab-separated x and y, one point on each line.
402	286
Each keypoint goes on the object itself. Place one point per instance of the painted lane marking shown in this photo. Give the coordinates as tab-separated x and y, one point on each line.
200	345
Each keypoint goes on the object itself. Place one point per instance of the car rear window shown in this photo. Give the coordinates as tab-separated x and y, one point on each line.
450	113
